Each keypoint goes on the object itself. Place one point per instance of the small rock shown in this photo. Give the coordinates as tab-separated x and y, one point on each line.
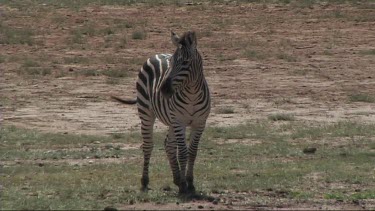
167	188
91	162
200	207
356	201
216	201
96	142
309	150
25	188
210	198
339	200
110	209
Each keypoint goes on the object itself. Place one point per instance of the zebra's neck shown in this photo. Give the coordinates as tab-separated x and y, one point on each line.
194	90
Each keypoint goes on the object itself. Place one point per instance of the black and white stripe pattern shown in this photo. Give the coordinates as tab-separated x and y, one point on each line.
173	89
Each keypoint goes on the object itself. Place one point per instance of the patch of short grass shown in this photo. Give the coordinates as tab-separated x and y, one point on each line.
32	67
362	97
225	110
11	35
287	57
339	129
368	52
281	117
275	168
116	73
80	35
253	54
2	59
112	81
76	60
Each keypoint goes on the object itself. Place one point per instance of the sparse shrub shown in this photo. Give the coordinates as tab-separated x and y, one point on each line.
139	35
90	72
123	42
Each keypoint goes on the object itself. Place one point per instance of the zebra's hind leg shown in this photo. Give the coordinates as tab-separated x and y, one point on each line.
147	125
195	135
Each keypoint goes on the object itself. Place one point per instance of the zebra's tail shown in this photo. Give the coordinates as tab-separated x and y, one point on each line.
131	102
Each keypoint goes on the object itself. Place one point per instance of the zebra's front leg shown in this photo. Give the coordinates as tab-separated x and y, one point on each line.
179	132
171	150
195	135
147	146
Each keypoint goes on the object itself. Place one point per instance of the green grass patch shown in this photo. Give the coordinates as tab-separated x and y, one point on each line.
31	67
2	59
368	52
362	97
276	167
253	54
11	35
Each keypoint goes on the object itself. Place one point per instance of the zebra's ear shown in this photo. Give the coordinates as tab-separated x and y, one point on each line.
189	40
175	39
192	39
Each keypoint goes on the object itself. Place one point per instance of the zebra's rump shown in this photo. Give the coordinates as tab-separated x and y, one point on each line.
148	87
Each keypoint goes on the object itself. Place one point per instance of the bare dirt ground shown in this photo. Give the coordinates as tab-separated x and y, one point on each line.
259	59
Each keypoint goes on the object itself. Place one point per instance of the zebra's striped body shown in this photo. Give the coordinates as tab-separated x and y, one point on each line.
173	89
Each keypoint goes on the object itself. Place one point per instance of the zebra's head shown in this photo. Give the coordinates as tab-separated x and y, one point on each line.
185	65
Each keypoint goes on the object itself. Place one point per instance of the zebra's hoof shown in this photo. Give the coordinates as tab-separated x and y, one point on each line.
183	188
177	182
191	189
145	189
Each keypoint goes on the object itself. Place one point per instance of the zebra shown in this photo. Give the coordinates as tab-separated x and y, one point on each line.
173	89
